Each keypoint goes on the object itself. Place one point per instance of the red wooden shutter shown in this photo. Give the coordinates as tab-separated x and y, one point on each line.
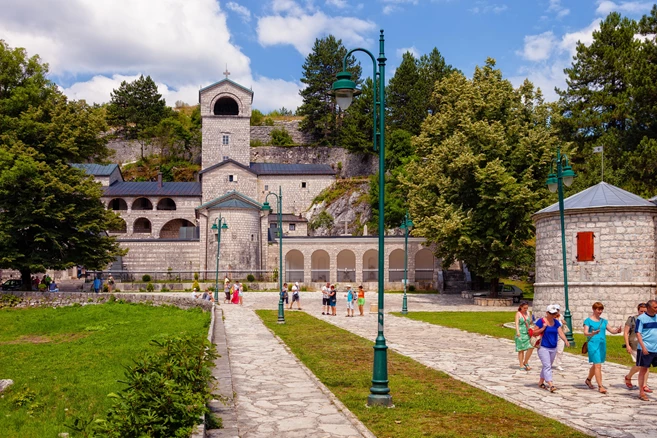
585	246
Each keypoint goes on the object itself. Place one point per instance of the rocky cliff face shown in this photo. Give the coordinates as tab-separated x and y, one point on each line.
344	208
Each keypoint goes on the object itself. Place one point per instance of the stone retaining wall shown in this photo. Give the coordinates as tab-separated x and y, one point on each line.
38	299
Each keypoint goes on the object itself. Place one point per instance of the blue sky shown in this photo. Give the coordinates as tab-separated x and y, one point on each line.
92	45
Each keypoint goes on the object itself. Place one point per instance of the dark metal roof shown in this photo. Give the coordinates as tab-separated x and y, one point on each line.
291	169
273	217
227	161
600	195
153	189
96	169
232	199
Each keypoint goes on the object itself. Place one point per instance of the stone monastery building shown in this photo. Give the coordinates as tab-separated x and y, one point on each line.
168	225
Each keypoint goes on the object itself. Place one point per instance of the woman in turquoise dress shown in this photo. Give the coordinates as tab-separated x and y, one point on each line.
523	347
594	329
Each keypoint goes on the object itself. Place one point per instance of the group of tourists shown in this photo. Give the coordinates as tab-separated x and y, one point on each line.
354	298
49	285
547	334
234	294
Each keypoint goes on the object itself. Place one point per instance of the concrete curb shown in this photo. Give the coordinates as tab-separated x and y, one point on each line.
365	432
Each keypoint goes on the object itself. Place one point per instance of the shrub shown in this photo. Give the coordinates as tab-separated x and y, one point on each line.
256	143
105	288
245	288
116	289
141	289
167	391
9	300
280	137
145	278
411	288
111	299
42	287
324	219
196	286
195	276
256	117
150	287
250	277
211	288
165	289
268	121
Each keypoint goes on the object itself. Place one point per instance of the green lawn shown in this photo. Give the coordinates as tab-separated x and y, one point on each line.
65	361
428	403
490	323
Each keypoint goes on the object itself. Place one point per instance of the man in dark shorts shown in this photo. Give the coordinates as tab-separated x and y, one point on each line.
284	295
325	298
646	335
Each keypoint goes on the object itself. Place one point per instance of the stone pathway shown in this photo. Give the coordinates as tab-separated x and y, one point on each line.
276	396
491	364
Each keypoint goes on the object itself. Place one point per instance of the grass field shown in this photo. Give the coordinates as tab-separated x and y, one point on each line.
65	361
428	403
490	323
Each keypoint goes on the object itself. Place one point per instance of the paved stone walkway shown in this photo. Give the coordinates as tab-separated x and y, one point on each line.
491	364
276	396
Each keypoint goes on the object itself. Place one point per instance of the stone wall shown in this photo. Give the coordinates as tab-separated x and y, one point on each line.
346	163
147	256
38	299
263	133
621	275
296	198
128	151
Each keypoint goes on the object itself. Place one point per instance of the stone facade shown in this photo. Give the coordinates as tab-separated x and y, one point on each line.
148	256
227	178
622	273
158	220
298	191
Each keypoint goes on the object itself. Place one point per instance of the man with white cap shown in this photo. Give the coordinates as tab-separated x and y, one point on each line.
295	296
550	330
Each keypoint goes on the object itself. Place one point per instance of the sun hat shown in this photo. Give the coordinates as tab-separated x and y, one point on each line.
553	308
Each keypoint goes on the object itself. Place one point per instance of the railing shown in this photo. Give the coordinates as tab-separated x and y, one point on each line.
346	275
317	275
370	275
180	275
293	275
424	275
395	275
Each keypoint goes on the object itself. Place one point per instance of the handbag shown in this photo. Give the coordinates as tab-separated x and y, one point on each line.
585	347
534	340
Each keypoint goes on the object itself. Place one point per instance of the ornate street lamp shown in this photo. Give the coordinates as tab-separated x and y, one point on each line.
564	175
218	225
266	207
406	226
344	89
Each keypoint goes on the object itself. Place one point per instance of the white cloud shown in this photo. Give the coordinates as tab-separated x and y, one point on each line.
538	47
605	7
337	3
92	46
301	31
239	9
569	41
483	7
555	6
389	9
414	51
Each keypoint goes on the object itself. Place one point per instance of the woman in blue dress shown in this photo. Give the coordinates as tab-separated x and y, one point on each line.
594	329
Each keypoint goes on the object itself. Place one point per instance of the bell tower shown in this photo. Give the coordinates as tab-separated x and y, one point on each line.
225	118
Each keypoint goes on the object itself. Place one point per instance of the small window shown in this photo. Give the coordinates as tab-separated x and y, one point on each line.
232	178
266	187
585	246
273	225
225	140
225	157
293	227
303	185
252	237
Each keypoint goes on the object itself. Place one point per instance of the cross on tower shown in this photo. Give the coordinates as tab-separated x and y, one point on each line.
226	72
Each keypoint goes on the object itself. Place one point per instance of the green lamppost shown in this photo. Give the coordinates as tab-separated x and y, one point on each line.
344	89
266	207
218	225
406	226
565	175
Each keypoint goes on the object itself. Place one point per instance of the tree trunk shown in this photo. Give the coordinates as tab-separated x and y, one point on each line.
493	287
26	278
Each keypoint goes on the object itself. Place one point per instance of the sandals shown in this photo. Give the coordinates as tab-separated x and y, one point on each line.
628	382
588	383
552	388
527	367
602	390
543	386
647	389
644	397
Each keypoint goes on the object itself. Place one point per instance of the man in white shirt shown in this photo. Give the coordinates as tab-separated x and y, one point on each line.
295	296
326	290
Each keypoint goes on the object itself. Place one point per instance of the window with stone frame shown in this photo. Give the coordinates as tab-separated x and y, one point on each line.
585	246
293	227
225	139
304	185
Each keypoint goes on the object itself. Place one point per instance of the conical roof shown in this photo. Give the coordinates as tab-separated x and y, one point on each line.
598	196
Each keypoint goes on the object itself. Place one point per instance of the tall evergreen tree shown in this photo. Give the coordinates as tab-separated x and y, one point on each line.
607	103
320	112
406	105
432	68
